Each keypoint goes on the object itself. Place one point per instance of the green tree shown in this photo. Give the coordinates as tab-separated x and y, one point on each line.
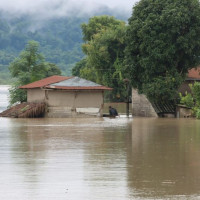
30	66
96	24
162	44
78	66
104	46
51	69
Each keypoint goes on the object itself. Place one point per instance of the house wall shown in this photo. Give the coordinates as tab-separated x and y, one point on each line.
62	103
76	99
35	95
59	98
74	104
141	106
183	112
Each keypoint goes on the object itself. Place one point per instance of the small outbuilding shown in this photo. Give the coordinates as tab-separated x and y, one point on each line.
67	96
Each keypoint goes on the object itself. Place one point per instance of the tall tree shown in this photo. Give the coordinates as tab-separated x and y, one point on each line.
104	47
96	24
162	44
30	66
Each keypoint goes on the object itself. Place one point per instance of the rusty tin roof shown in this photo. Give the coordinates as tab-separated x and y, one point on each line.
44	82
193	74
65	83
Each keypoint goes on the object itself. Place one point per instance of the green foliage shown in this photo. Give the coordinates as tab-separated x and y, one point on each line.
197	113
187	100
196	93
17	95
30	62
89	73
79	65
192	100
51	69
97	24
163	88
104	47
162	44
30	66
81	69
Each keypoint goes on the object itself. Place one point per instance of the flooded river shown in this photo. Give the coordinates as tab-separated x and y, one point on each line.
99	159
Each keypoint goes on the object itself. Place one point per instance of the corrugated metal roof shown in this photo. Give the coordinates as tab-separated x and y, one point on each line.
44	82
164	107
76	82
78	88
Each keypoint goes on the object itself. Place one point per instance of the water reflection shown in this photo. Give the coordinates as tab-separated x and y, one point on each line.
98	158
164	158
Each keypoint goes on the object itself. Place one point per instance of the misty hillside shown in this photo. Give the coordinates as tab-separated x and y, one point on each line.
60	40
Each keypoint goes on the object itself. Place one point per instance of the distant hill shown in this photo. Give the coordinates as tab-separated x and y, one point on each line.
60	40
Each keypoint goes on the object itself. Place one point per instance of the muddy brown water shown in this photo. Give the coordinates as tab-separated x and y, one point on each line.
99	159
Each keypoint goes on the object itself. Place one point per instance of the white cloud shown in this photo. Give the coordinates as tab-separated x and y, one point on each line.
52	8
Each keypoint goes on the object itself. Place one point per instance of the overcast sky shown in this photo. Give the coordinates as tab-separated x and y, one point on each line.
49	8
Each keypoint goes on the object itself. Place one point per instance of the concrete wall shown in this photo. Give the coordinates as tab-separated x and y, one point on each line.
74	104
62	103
35	95
183	112
141	105
76	99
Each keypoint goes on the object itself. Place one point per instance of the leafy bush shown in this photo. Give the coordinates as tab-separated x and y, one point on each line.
197	113
196	93
187	100
192	100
